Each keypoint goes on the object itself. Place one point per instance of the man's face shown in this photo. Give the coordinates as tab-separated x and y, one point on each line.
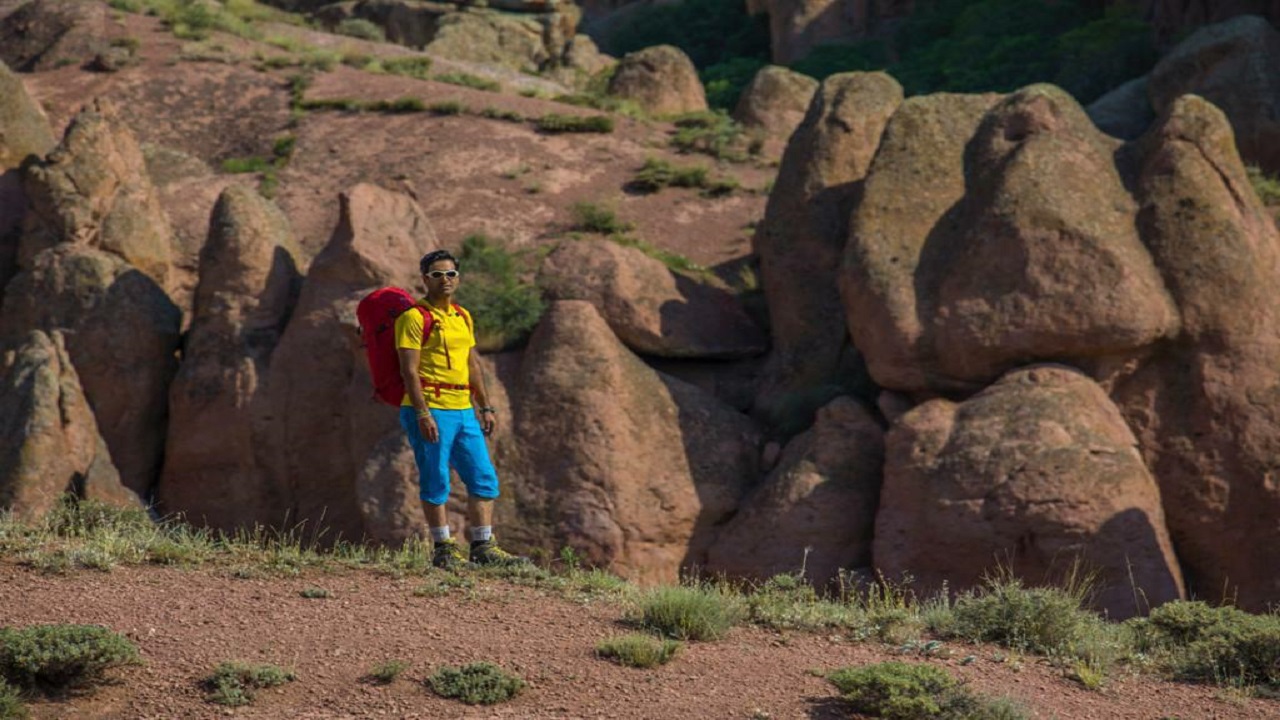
441	277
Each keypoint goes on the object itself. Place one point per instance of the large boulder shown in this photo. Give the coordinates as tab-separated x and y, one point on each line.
45	34
815	511
908	200
632	468
801	240
1232	65
1125	112
123	334
327	422
49	441
215	470
1049	264
24	129
93	190
661	80
1034	473
774	104
652	310
1206	408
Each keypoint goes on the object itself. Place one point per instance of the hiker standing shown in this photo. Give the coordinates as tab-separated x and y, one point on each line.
442	377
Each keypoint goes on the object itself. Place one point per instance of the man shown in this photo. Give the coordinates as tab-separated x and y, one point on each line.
442	377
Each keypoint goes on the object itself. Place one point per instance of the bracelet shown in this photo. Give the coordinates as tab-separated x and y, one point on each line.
424	413
488	410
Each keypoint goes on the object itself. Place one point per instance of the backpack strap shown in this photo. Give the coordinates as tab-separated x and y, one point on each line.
465	316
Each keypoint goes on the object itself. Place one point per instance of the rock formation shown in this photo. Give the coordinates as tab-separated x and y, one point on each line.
661	79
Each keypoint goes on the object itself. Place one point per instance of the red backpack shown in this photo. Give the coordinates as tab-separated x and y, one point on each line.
377	313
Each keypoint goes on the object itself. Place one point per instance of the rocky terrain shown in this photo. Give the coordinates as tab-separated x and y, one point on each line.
999	329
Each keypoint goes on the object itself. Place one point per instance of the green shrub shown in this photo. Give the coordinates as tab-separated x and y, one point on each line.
469	80
54	658
235	683
638	650
478	683
691	612
11	707
315	593
1198	642
556	123
903	691
342	104
400	105
253	164
413	66
385	673
712	133
504	308
787	602
590	217
448	107
1266	186
494	113
656	174
362	29
725	81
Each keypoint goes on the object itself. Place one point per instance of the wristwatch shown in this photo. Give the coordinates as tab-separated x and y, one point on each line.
488	410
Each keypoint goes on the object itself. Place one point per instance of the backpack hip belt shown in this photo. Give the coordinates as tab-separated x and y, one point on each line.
443	386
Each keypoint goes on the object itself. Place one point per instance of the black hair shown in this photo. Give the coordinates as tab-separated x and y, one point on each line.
433	257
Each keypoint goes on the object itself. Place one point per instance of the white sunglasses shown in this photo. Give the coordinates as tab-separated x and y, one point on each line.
437	274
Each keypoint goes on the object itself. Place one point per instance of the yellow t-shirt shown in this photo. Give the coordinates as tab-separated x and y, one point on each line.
444	354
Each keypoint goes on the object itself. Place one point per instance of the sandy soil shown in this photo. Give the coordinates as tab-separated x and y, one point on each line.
185	622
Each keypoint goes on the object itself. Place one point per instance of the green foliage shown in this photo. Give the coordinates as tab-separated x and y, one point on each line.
725	81
504	308
903	691
675	261
698	612
236	683
713	133
399	105
479	683
11	707
1267	187
385	673
638	650
1001	45
447	107
656	174
593	218
469	80
710	32
413	66
55	658
1198	642
362	29
315	593
252	164
494	113
556	123
787	602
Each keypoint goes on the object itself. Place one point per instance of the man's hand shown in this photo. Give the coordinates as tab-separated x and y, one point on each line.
488	421
427	426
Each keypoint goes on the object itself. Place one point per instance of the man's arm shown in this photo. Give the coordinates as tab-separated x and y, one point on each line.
479	397
409	359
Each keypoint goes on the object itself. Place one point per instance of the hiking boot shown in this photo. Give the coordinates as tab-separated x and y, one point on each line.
447	555
487	552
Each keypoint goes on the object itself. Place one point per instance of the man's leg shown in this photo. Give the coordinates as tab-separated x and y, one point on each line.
433	482
471	458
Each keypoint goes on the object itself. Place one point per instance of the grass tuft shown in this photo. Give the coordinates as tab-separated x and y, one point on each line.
56	658
413	66
11	706
385	673
478	683
315	593
1198	642
905	691
638	650
698	612
469	80
235	683
448	107
361	29
556	123
594	218
657	174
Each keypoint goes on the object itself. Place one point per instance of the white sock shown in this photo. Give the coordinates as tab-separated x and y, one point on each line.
440	534
482	533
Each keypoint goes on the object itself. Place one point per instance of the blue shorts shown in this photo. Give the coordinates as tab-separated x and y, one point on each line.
461	445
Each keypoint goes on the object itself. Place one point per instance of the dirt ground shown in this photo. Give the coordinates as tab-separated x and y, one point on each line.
185	622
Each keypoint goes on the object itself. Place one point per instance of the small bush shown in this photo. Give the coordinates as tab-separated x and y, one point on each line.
712	133
362	29
505	310
657	174
342	104
401	105
54	658
556	123
690	613
315	593
235	683
413	66
590	217
904	691
386	672
448	107
637	650
246	165
478	683
1048	620
1198	642
496	114
469	80
11	707
1267	187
